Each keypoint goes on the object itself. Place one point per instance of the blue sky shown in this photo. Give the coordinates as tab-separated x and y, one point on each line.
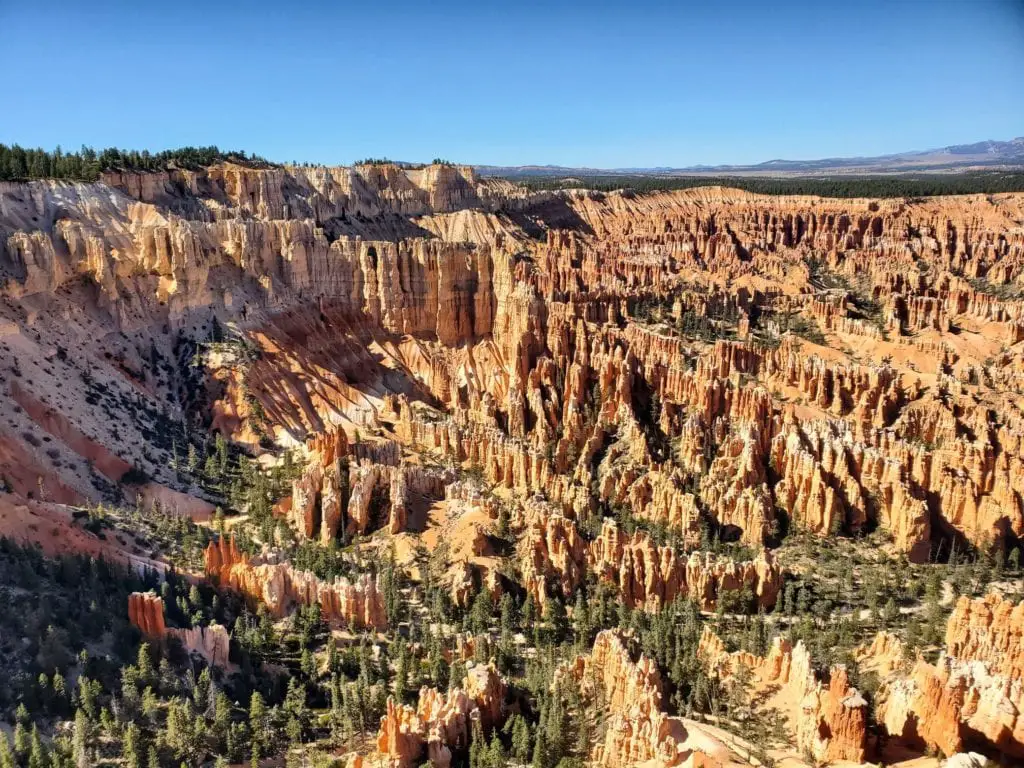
572	83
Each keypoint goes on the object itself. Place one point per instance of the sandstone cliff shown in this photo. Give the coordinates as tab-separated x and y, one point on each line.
146	611
280	587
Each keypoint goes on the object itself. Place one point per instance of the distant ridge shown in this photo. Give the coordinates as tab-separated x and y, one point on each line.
981	155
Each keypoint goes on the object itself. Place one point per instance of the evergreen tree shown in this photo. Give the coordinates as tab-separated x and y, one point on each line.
145	664
520	739
581	620
20	740
480	612
81	742
131	746
402	673
258	720
6	755
557	619
38	757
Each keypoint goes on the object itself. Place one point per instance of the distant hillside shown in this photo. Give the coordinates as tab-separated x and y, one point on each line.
982	155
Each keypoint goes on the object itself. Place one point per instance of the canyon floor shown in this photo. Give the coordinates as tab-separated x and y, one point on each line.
377	466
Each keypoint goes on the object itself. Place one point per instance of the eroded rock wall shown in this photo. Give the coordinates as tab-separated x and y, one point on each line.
358	604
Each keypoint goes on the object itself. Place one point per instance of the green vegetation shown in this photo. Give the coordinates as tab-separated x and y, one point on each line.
17	163
1002	291
923	185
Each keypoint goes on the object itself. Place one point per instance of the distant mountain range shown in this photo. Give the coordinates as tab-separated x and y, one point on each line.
982	155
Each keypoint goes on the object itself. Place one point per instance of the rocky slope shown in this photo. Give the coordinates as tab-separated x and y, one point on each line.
828	717
970	698
638	731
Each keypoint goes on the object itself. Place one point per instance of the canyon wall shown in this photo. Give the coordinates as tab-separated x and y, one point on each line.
549	353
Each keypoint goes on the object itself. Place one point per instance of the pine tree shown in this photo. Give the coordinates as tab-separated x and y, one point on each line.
81	741
480	613
558	619
130	746
581	619
496	757
540	750
60	693
145	664
520	739
402	674
38	757
6	755
477	746
258	719
333	662
20	739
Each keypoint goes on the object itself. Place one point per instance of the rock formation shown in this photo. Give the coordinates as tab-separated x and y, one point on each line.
828	718
441	723
687	366
974	693
280	587
648	576
146	611
638	731
211	642
547	353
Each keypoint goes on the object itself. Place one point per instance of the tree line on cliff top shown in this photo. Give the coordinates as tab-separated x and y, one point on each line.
926	185
18	163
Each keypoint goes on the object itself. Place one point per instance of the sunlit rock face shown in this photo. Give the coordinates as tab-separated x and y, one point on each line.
974	691
441	722
358	604
146	613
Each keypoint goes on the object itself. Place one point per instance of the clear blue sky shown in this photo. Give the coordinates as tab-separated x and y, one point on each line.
573	83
